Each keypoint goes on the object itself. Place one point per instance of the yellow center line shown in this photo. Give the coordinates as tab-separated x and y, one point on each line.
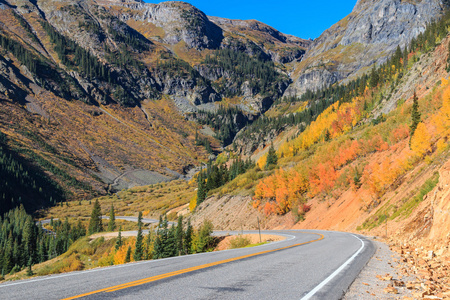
183	271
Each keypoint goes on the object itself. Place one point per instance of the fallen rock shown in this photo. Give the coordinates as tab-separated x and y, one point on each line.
390	290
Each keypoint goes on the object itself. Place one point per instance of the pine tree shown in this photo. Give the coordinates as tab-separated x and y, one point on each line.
187	243
205	240
374	78
41	252
201	188
95	223
179	235
161	237
128	255
170	249
138	252
119	239
328	135
29	271
415	116
148	242
272	157
112	219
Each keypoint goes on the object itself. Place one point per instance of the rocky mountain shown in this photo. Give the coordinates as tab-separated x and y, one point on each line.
106	94
366	37
96	95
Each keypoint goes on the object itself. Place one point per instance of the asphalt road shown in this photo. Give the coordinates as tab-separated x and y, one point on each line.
307	265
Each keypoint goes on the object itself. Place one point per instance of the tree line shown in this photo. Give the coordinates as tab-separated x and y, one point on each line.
24	243
390	71
218	175
226	122
24	184
240	67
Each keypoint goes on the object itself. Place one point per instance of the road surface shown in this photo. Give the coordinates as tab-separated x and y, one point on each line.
307	265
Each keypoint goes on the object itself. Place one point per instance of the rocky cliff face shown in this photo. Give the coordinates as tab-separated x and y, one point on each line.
180	22
95	90
367	36
151	49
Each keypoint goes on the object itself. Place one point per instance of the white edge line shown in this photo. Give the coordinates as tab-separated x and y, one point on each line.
48	277
338	270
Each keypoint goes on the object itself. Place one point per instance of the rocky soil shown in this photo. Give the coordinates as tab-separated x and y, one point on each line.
382	278
429	263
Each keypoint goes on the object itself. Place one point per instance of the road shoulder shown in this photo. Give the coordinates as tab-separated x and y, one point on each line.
380	278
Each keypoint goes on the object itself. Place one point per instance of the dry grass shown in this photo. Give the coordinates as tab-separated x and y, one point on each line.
152	200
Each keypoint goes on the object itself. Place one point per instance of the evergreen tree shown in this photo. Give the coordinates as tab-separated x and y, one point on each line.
272	157
41	252
171	245
179	235
29	271
165	243
119	239
138	252
112	219
128	255
148	243
201	188
205	240
95	223
187	243
160	239
415	115
327	134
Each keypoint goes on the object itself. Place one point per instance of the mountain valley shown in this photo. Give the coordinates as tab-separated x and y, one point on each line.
159	109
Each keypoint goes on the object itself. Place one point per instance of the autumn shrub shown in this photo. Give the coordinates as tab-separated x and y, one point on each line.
63	264
107	259
121	253
172	216
239	241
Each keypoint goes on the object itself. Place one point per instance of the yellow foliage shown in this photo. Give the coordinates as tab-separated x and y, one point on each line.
107	259
193	203
378	176
336	119
444	115
73	263
421	140
120	255
262	162
441	145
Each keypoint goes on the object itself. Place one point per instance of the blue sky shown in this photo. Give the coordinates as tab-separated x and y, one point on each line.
302	18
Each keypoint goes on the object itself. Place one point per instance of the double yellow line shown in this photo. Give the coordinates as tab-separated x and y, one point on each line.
183	271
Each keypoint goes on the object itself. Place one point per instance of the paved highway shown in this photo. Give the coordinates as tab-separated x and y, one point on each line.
307	265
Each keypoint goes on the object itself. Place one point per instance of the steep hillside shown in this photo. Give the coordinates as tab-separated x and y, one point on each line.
368	36
346	55
369	156
95	95
104	95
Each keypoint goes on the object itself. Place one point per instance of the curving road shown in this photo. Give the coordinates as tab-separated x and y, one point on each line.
307	265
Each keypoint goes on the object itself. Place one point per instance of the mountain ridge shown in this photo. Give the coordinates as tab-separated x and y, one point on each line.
126	60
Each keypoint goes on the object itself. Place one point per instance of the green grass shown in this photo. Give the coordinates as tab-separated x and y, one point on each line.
257	244
410	204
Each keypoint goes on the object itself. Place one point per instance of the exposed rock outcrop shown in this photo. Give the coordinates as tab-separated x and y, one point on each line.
180	22
370	34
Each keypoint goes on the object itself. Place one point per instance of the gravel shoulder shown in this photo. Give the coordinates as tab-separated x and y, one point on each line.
381	277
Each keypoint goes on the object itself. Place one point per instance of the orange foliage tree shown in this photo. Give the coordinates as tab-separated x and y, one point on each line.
322	178
277	193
